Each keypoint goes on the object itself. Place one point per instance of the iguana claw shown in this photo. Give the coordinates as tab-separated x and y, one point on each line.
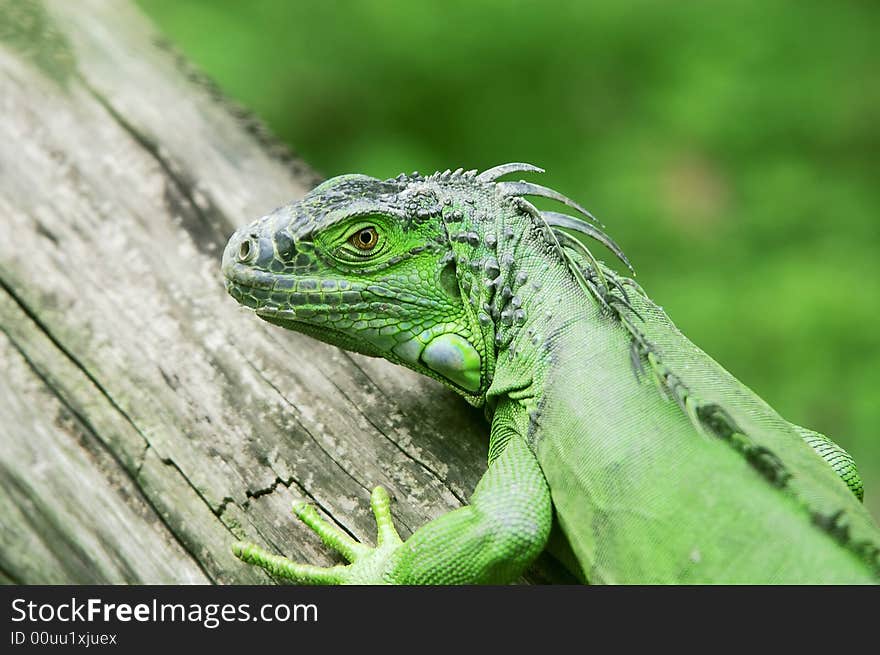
367	565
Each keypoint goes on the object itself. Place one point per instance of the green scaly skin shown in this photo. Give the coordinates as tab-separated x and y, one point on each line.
659	465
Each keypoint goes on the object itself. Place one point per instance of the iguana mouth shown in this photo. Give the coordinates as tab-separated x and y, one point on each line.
260	299
249	286
305	318
255	297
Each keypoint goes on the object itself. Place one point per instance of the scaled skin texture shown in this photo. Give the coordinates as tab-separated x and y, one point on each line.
658	465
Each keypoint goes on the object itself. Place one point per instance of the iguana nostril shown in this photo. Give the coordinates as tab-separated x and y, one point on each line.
244	250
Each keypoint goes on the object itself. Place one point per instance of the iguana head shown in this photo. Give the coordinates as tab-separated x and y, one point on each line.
409	268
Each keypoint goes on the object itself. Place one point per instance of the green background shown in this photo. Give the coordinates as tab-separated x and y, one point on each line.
732	149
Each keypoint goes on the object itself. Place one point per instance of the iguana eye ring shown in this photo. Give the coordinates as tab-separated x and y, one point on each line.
365	239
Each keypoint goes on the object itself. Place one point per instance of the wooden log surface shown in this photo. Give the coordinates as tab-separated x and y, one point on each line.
146	420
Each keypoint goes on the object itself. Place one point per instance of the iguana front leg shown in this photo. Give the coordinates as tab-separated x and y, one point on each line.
490	541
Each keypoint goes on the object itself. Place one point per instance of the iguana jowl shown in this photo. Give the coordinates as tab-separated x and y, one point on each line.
659	465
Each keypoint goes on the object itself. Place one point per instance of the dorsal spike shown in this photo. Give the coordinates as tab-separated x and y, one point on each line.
566	244
566	240
555	219
457	172
522	188
503	169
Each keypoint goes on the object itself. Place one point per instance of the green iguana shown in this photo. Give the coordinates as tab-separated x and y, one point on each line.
659	465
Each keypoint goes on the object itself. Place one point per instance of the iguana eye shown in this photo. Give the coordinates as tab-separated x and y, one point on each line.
365	239
364	242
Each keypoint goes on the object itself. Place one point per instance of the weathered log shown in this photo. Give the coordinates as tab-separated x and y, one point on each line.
146	420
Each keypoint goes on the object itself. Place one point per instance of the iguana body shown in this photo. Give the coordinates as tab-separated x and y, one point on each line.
660	466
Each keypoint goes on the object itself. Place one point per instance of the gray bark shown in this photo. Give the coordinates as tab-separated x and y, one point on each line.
146	420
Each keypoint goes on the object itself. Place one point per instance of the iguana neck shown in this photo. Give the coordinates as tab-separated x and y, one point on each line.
536	307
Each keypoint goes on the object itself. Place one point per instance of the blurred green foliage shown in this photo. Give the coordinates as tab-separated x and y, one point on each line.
732	149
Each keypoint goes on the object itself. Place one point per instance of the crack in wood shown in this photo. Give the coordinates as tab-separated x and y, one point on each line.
88	431
211	227
83	422
305	430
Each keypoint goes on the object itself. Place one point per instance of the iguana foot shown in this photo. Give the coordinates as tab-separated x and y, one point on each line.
367	565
